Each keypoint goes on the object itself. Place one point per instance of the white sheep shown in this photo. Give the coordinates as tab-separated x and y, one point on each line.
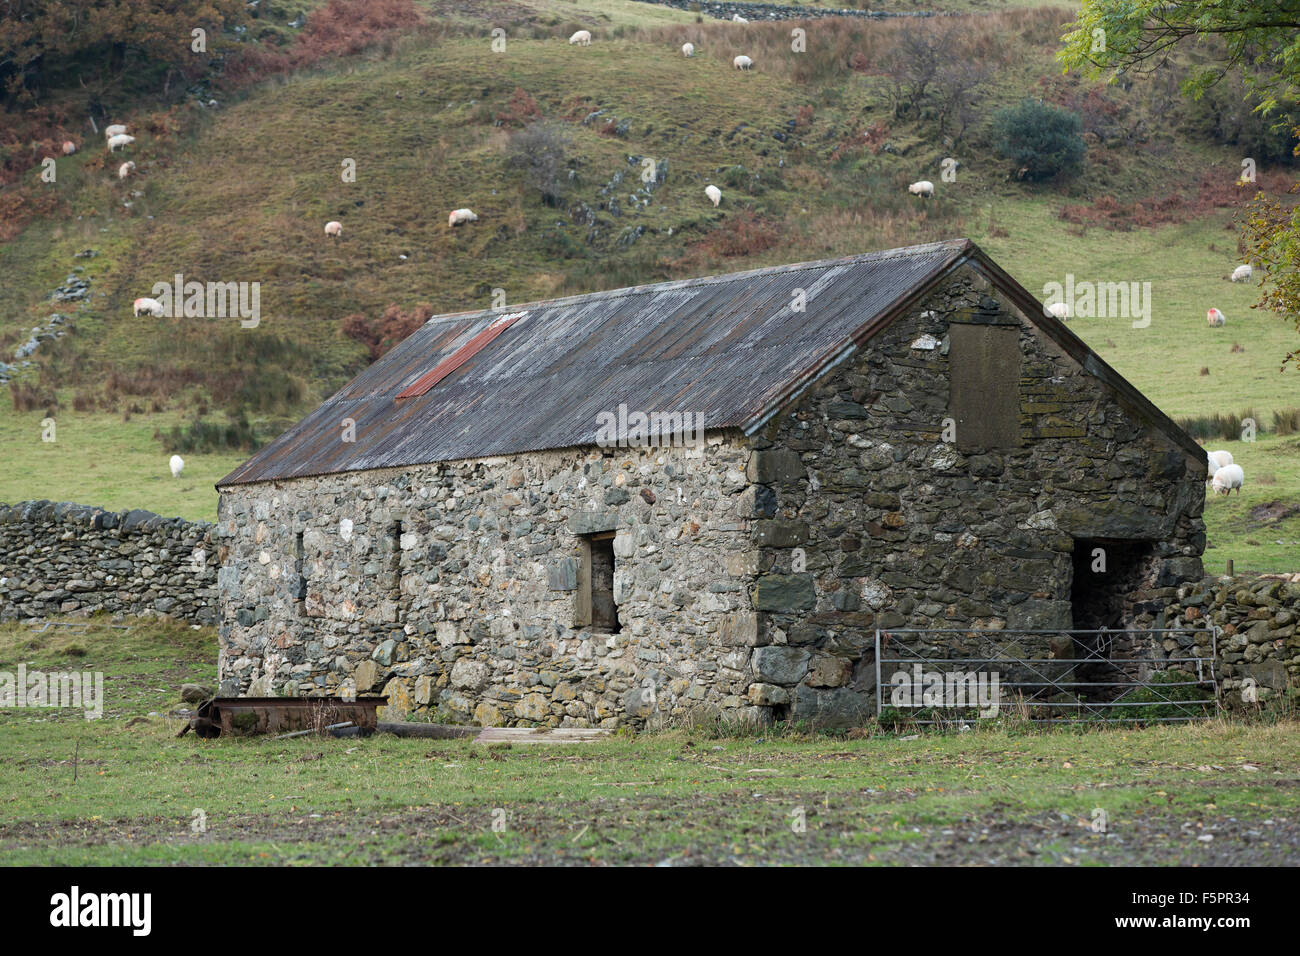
582	38
117	129
714	194
461	215
1057	310
334	228
147	307
743	62
69	148
737	18
1217	459
688	49
120	140
1215	318
1242	273
1227	478
177	464
922	188
125	170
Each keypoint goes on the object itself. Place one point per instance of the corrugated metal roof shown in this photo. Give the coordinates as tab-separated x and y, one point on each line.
728	348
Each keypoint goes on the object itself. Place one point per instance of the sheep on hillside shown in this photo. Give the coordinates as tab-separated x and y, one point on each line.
120	140
582	38
1215	318
461	215
117	129
714	194
922	188
737	18
1242	273
743	62
69	148
125	170
1227	478
334	228
177	464
1057	310
688	49
147	307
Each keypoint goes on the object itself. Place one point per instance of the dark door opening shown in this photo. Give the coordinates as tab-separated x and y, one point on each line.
1107	572
604	612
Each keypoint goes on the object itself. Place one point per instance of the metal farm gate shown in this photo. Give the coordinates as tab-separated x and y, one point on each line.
1103	676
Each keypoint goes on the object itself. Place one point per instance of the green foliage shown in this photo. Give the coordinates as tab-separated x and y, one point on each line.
96	44
206	437
1261	37
1041	139
1226	426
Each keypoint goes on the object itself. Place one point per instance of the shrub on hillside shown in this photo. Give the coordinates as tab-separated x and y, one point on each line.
205	437
1224	426
538	151
380	334
1041	140
340	28
742	234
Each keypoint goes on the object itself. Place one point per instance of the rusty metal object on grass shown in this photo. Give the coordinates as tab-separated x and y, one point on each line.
244	716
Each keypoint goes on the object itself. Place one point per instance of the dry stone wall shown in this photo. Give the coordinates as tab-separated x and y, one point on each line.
64	558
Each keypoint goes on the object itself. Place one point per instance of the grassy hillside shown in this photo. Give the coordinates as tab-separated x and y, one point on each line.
241	193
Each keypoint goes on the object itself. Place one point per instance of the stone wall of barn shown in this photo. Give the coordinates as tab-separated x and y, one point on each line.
65	558
451	588
867	517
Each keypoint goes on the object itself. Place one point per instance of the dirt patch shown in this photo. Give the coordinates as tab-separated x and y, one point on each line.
1272	512
728	829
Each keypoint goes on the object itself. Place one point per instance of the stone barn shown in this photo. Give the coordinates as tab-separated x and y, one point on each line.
700	498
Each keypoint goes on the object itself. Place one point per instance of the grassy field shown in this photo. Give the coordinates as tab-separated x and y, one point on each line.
124	790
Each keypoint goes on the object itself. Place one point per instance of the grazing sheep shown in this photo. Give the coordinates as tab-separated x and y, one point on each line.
1215	318
334	228
688	49
1227	478
743	62
1058	310
1242	273
922	188
69	148
117	129
147	307
1217	460
582	38
125	170
737	18
120	140
714	194
177	464
461	215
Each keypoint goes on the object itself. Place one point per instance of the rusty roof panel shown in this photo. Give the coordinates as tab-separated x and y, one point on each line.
727	347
